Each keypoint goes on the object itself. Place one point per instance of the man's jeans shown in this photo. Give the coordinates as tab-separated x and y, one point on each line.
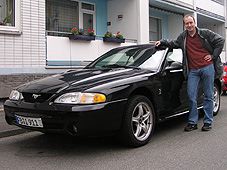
205	75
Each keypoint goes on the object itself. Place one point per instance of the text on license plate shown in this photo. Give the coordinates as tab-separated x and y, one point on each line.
29	121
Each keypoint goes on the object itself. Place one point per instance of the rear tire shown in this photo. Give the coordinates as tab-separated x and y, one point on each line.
138	122
217	94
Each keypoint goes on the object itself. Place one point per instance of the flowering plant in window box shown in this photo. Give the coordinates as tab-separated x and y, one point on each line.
109	37
108	34
119	35
91	32
74	31
80	35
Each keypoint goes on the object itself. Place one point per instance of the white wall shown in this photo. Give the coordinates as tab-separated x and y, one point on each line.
128	24
211	6
135	21
175	25
63	49
143	21
26	50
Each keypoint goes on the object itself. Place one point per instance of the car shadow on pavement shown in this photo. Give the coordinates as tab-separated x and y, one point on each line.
47	145
42	145
66	142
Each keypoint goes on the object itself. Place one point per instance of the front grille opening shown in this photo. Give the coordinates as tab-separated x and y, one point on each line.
36	97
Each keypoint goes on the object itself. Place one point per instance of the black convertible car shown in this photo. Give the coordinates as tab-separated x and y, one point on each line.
125	92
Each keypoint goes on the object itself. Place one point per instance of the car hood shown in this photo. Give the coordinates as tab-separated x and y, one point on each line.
82	80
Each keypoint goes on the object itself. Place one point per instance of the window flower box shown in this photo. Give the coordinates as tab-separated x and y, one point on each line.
82	37
109	37
113	39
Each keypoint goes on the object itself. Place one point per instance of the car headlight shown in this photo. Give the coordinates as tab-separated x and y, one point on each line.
15	95
81	98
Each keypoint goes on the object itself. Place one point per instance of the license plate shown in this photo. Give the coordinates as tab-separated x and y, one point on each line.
29	121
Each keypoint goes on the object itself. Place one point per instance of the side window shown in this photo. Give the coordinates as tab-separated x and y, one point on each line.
175	56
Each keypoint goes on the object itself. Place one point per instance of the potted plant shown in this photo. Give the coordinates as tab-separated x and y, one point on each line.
80	34
91	32
74	31
109	37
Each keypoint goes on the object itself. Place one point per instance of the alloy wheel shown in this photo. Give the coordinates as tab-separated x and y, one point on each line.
142	121
216	100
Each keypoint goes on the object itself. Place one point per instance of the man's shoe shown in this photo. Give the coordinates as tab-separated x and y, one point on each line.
190	127
206	127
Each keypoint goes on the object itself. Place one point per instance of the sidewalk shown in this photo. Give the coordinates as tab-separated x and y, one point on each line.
5	129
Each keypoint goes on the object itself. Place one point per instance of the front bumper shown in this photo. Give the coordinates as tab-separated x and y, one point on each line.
72	119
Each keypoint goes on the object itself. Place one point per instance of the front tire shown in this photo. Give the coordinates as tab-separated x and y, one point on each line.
138	122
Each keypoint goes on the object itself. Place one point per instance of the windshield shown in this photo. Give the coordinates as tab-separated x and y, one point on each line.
130	57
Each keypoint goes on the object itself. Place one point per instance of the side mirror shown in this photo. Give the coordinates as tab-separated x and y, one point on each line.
174	66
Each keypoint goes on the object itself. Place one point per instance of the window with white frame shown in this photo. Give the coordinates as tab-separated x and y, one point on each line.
7	12
63	15
88	16
10	20
155	29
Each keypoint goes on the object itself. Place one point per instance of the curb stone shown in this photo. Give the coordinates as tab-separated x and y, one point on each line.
13	132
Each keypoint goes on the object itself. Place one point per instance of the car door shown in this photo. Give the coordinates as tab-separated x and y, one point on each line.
173	84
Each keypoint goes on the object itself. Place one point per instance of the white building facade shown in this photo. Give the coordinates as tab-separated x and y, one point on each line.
35	39
34	33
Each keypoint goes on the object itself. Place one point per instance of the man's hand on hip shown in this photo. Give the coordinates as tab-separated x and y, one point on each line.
208	57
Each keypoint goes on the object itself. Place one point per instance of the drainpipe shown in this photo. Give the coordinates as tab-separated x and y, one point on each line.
142	21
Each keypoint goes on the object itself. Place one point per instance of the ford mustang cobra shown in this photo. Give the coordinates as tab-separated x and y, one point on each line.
126	92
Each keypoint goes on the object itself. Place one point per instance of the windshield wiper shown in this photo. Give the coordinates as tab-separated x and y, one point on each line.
120	66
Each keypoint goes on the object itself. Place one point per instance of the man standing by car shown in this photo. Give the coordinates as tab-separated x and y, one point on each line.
201	63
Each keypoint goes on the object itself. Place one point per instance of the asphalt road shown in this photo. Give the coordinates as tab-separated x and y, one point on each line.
170	148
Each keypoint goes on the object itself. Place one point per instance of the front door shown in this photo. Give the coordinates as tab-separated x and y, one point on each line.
174	86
